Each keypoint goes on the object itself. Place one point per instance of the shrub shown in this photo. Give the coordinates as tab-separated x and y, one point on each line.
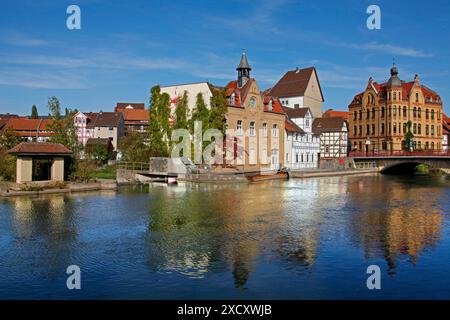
7	167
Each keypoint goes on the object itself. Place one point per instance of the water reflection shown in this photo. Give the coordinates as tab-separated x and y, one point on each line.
395	218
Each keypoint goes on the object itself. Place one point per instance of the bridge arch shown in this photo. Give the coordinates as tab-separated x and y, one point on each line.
402	167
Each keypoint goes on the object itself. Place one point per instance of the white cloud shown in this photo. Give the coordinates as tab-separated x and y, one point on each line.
22	40
384	48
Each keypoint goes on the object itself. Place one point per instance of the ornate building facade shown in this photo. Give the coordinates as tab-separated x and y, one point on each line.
381	115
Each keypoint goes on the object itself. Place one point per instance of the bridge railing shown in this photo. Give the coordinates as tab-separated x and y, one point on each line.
133	166
403	153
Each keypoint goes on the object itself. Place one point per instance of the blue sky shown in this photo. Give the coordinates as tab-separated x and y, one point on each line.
126	47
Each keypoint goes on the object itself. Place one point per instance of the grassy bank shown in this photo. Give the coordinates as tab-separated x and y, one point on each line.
106	172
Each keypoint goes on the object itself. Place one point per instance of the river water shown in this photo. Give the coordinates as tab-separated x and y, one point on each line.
297	239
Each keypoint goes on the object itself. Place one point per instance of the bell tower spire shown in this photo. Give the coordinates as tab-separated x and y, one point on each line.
243	70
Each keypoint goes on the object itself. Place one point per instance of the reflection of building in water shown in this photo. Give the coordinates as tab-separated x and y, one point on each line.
212	228
44	230
404	221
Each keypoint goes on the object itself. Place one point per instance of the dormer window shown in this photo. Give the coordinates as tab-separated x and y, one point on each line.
270	106
233	99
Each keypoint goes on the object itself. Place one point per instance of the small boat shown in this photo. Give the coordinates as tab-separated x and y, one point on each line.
266	177
171	180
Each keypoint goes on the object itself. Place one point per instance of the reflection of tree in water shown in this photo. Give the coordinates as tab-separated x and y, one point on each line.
393	221
45	232
210	228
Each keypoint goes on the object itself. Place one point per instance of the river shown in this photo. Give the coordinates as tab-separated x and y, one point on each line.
299	239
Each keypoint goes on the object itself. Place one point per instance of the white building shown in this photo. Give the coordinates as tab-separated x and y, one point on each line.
333	133
105	125
302	145
299	88
192	89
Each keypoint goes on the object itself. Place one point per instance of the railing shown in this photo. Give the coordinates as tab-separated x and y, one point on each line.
403	153
133	166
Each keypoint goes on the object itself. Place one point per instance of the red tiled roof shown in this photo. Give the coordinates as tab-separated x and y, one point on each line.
330	113
294	113
123	105
327	124
406	90
276	105
293	83
24	127
136	115
36	148
290	126
104	119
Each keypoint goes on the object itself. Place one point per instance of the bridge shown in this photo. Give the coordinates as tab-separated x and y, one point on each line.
402	161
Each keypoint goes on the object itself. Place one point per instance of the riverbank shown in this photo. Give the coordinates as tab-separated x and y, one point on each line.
330	173
14	190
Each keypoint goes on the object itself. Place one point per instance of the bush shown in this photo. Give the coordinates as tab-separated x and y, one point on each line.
82	171
7	167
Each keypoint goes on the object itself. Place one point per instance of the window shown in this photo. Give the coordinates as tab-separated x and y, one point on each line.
395	111
404	112
360	114
395	128
415	128
417	97
432	130
239	127
419	113
427	130
296	106
368	114
373	113
427	114
367	129
252	128
432	114
382	112
404	127
275	130
360	130
382	128
432	145
233	99
395	96
415	112
355	131
264	129
307	122
373	129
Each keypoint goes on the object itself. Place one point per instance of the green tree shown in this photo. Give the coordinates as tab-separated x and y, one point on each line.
201	113
100	154
159	126
218	109
8	139
7	162
54	107
409	136
34	112
63	128
181	112
134	148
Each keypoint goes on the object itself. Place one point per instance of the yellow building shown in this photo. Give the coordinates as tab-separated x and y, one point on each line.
379	116
255	122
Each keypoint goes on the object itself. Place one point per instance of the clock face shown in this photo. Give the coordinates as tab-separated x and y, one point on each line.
252	102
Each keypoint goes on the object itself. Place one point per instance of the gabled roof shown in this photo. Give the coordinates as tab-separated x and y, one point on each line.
104	119
129	105
290	126
328	124
136	115
330	113
294	113
37	148
294	83
276	105
25	124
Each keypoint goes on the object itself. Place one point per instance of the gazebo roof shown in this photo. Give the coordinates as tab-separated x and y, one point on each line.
37	149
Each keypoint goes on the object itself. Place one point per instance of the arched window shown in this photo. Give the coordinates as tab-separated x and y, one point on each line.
264	129
427	114
419	114
252	129
373	113
415	112
275	130
432	114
